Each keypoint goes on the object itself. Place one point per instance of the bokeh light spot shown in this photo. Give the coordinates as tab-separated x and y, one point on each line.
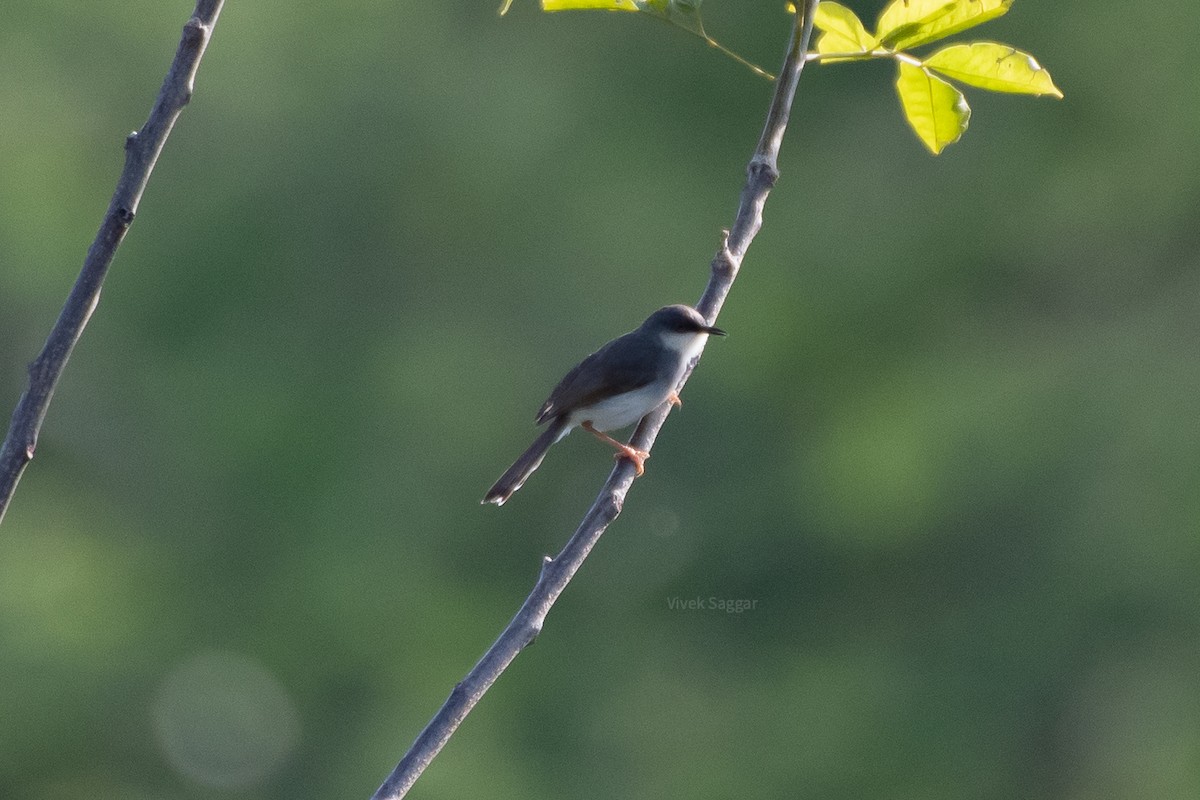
224	721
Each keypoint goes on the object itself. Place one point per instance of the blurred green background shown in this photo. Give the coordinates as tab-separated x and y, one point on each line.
950	448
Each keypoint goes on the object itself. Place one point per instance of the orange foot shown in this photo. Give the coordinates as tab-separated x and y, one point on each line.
673	399
638	457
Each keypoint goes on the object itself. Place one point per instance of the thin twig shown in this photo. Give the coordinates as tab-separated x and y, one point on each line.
141	152
557	572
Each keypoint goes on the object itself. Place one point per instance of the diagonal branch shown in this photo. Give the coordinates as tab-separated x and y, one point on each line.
557	572
141	152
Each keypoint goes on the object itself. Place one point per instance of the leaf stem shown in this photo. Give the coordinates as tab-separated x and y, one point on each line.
865	55
757	70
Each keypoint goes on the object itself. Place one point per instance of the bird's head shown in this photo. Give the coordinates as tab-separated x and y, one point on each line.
680	327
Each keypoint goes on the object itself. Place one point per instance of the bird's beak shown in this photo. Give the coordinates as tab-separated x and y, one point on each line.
713	330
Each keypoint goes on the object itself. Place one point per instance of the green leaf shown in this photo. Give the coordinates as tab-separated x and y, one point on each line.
911	23
993	66
841	30
572	5
937	112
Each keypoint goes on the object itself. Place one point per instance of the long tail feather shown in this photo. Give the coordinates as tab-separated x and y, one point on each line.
524	466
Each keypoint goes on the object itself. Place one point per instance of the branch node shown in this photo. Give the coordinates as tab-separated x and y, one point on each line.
125	216
724	266
610	509
194	31
131	141
763	168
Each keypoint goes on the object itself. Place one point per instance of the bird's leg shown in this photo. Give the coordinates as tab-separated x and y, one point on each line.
638	457
673	399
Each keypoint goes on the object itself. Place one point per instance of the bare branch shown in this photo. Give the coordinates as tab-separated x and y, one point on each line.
141	152
557	572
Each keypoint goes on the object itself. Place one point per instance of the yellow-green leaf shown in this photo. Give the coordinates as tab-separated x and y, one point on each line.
937	112
993	66
841	30
911	23
572	5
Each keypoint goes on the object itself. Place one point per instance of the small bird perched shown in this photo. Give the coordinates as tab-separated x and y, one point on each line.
614	387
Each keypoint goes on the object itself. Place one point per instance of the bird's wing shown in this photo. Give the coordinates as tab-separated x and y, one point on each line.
618	367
